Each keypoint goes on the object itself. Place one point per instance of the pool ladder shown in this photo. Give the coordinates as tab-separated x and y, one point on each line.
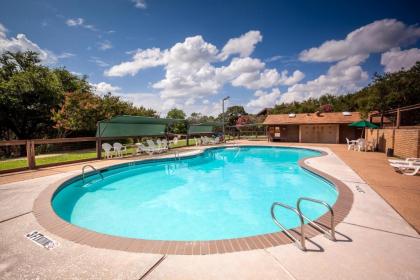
96	170
298	211
176	155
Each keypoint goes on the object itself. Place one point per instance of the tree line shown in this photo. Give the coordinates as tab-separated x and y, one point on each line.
386	91
41	102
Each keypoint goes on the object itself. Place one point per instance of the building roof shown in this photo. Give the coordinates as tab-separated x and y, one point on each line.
313	118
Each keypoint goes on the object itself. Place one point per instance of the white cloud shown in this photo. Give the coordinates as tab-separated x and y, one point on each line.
376	37
296	77
263	99
74	22
243	45
105	45
190	73
396	59
343	77
3	30
104	88
98	61
141	4
188	69
22	43
65	55
142	59
274	58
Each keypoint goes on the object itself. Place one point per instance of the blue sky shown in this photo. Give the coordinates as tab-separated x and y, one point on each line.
191	54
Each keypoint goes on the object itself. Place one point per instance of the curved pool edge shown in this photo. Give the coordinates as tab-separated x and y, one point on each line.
48	219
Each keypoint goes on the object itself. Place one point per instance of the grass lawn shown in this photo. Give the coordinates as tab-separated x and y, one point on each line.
69	156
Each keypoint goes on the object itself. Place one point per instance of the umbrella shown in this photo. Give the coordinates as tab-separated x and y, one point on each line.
363	124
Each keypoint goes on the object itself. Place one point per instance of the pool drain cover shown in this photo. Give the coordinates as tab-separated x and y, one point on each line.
42	240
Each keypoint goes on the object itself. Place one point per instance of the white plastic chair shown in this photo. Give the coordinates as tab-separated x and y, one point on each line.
146	149
406	161
361	144
160	145
153	146
350	144
107	148
119	149
165	143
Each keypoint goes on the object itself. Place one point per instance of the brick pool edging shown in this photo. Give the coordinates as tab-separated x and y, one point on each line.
47	218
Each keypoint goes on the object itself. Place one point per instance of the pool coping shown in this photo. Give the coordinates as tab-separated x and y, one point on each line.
48	219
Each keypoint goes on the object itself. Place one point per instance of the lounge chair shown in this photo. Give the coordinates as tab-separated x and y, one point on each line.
154	147
410	169
119	149
146	149
406	161
107	148
351	144
216	140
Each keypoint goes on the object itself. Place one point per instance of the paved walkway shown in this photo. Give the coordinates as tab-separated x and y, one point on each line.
374	242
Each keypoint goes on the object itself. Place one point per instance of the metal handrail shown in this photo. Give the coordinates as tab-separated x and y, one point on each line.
96	170
332	233
300	244
176	155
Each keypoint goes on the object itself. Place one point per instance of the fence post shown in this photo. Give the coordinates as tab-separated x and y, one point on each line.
30	154
98	148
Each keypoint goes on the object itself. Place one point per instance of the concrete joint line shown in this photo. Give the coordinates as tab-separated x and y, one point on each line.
281	265
14	217
153	267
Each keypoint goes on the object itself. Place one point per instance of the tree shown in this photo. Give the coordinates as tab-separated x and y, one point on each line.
179	127
200	118
232	114
81	111
386	91
28	94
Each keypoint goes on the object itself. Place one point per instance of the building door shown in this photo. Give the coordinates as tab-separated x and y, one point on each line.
320	133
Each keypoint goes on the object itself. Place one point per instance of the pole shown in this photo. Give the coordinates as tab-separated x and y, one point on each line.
223	118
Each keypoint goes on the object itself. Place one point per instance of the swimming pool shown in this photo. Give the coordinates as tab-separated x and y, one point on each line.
220	194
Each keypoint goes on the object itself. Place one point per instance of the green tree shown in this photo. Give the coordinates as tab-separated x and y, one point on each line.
232	114
179	127
200	118
28	94
81	111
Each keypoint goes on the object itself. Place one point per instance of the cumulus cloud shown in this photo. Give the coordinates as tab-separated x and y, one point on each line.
141	4
343	77
376	37
142	59
396	59
104	88
22	43
263	100
243	45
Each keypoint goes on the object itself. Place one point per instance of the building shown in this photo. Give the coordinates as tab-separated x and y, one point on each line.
313	127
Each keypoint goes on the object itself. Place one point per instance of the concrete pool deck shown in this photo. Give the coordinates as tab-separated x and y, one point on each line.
375	242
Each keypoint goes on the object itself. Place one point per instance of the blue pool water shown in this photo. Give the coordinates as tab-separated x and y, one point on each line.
223	193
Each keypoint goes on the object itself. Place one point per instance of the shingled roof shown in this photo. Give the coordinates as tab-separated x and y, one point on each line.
313	118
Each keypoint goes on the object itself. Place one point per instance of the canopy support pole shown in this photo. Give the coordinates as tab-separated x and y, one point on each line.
99	142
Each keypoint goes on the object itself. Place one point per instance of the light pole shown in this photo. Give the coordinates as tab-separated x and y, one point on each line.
223	115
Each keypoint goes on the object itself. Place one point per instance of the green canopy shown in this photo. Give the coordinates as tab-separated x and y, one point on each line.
363	123
126	126
202	128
